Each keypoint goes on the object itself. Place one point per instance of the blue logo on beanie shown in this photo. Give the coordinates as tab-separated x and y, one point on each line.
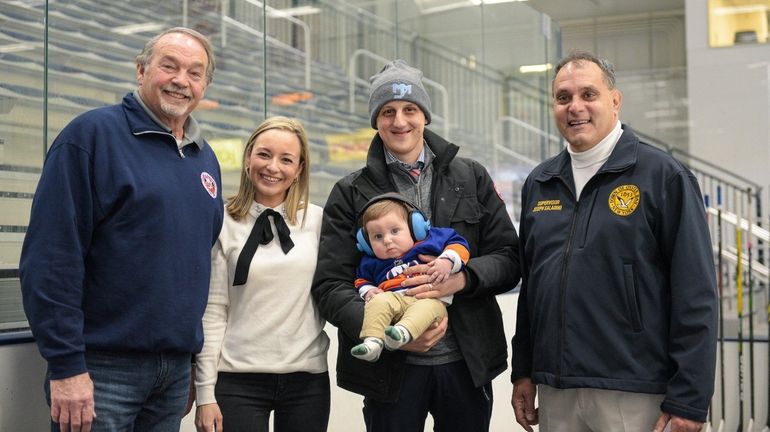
400	90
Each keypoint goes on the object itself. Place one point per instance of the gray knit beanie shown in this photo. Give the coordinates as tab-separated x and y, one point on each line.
397	81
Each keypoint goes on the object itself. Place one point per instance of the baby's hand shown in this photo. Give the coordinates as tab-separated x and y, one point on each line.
371	293
439	269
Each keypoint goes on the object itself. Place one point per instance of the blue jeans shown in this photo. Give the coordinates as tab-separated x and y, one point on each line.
300	401
445	391
140	392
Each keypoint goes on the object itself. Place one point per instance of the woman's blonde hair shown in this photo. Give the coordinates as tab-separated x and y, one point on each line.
297	196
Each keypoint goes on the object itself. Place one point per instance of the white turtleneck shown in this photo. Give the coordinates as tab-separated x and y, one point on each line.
270	324
585	164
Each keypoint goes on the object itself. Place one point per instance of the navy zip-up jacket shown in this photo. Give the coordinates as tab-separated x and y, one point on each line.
618	288
374	271
117	255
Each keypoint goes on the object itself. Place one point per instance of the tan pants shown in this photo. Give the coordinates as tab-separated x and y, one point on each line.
596	410
389	308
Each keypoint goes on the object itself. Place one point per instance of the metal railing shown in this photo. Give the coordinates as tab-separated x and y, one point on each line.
270	12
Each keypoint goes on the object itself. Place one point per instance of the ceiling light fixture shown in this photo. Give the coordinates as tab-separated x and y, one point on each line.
745	9
295	11
538	68
478	2
138	28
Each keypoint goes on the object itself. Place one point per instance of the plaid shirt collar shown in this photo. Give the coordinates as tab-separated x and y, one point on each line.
390	158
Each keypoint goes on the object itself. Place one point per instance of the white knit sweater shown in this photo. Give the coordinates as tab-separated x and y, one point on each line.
270	324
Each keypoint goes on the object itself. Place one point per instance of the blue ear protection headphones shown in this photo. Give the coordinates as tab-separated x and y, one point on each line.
418	223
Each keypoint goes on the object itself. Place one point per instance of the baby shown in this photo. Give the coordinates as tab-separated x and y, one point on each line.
393	236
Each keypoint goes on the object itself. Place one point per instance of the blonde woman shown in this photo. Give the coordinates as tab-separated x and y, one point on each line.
264	346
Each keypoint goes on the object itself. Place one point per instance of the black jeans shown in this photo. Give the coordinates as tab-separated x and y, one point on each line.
444	391
299	400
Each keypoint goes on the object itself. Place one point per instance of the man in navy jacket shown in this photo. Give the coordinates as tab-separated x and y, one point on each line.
617	316
116	261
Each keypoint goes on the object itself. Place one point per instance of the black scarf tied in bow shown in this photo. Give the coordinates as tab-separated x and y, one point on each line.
262	233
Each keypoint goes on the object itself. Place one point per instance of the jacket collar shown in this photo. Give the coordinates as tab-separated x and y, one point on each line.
140	121
623	156
376	166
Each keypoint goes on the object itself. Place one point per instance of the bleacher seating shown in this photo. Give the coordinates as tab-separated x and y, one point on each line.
89	65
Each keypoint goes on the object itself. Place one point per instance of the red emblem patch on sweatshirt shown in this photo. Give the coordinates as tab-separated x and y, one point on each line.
209	184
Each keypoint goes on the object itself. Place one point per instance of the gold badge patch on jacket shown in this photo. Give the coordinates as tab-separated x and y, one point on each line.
624	199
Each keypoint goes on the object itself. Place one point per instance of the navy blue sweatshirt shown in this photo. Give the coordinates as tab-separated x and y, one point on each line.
117	255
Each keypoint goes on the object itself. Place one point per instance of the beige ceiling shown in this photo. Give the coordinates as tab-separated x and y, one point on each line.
512	33
567	10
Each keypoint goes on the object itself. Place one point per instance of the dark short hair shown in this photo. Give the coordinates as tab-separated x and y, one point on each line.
580	56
